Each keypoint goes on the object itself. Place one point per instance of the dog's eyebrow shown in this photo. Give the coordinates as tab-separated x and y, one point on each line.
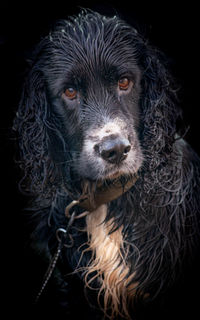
130	72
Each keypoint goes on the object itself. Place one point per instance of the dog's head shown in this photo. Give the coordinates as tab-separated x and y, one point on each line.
94	83
90	98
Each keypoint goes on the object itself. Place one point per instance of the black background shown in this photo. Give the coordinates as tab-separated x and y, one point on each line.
171	26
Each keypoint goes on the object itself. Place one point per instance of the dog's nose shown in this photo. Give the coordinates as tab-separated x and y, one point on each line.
114	150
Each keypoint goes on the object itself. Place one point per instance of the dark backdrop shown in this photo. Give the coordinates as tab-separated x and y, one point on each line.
172	27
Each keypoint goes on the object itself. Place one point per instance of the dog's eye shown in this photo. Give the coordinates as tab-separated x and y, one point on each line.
123	83
71	93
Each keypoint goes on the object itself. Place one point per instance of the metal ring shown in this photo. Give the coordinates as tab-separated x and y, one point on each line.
72	204
58	231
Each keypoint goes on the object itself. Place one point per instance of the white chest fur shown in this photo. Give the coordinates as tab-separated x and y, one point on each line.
109	263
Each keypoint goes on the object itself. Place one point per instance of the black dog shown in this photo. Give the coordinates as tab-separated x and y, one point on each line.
97	123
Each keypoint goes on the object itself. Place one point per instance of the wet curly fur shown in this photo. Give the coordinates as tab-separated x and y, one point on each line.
132	248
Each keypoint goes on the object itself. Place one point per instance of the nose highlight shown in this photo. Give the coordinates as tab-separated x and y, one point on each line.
114	150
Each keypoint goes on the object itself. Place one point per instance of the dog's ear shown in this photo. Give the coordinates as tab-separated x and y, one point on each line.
30	125
159	103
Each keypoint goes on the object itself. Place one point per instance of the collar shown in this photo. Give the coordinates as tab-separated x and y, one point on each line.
106	192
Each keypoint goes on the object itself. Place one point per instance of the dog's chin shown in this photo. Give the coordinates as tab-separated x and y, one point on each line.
114	175
110	176
118	172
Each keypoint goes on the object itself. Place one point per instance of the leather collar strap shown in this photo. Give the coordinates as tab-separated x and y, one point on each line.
106	193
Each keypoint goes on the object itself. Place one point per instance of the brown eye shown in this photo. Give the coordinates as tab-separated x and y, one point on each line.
71	93
123	83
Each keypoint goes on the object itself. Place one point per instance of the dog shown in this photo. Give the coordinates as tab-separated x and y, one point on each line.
113	183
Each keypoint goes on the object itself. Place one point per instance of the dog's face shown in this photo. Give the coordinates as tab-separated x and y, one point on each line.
94	83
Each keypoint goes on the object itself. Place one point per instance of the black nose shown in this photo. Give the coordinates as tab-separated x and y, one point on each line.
114	150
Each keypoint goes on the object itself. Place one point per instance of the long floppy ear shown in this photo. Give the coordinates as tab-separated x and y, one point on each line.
159	106
32	134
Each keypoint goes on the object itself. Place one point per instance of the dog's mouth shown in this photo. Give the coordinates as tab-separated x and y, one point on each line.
113	174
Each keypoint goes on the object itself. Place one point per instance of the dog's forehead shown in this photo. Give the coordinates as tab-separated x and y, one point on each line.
90	47
90	26
95	40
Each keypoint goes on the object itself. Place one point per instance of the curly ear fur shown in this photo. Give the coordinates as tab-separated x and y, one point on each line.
30	122
160	111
